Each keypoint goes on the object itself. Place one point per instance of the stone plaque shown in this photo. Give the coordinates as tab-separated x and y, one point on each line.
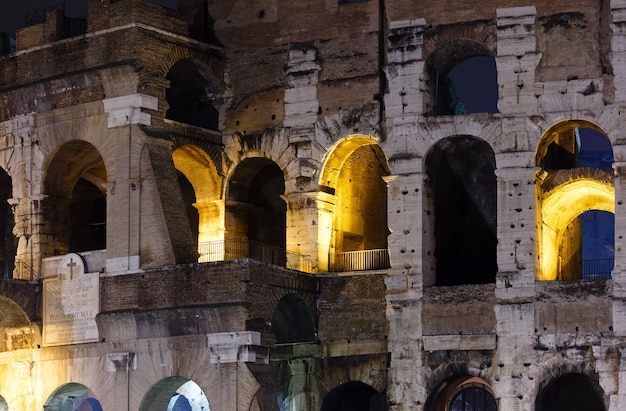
71	301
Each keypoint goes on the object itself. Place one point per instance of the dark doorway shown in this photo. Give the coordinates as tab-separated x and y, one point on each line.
571	392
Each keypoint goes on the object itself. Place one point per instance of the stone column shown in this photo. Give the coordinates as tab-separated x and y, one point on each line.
619	270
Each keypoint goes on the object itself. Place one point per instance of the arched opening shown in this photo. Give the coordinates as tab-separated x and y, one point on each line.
8	240
292	322
75	182
72	397
3	404
463	78
200	187
353	175
461	221
354	396
175	394
256	211
191	95
464	393
16	331
575	200
571	392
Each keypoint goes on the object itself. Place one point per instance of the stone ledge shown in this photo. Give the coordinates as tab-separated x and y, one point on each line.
459	342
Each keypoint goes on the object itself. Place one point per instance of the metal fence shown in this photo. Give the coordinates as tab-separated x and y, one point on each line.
362	260
237	249
597	269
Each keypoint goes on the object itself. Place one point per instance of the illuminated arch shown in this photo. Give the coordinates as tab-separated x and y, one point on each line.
563	204
174	394
72	396
356	224
341	151
205	207
567	187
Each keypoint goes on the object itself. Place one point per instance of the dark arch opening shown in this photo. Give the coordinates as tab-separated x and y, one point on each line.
88	214
354	396
464	79
571	146
292	322
571	392
76	183
258	209
8	240
462	181
72	397
189	198
191	94
174	394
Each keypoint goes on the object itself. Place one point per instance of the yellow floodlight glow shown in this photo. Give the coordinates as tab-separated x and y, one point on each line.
559	207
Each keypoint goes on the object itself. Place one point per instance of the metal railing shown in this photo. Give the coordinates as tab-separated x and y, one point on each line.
597	269
237	249
362	260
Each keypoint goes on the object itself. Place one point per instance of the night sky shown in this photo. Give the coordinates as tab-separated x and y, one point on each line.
13	14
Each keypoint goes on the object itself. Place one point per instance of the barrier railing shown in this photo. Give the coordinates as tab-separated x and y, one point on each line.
237	249
362	260
597	269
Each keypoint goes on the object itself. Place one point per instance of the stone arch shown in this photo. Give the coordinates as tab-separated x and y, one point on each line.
462	393
354	395
566	188
256	212
16	331
72	396
572	391
446	47
461	216
352	176
293	322
201	188
175	394
191	94
75	182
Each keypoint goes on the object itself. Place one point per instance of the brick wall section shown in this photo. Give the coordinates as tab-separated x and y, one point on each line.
352	308
466	310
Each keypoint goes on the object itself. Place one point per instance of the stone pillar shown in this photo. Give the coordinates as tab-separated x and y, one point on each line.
310	225
517	60
619	270
404	71
618	49
516	217
120	364
301	101
302	392
404	291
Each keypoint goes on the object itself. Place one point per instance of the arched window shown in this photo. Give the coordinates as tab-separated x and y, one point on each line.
465	393
463	79
461	216
576	199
